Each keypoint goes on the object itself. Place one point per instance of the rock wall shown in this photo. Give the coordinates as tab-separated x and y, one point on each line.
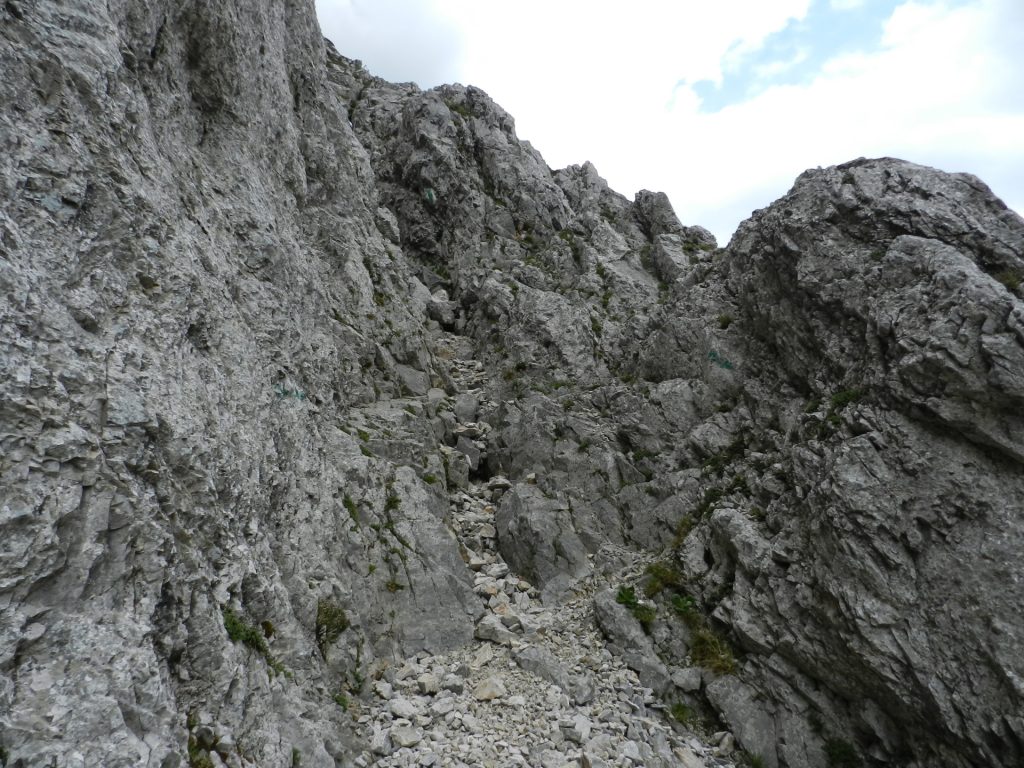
244	285
201	311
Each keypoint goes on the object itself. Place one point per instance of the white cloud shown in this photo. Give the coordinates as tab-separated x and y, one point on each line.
846	5
934	94
400	40
773	69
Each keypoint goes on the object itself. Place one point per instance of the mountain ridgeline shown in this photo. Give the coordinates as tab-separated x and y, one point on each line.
332	421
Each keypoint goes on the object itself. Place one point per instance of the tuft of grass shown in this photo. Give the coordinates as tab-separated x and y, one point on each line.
197	758
430	479
724	321
350	506
719	461
239	631
342	701
627	596
750	760
662	575
707	648
393	586
845	397
687	524
681	713
686	607
645	614
711	651
840	753
459	109
1011	278
739	485
711	497
331	621
392	503
839	401
363	435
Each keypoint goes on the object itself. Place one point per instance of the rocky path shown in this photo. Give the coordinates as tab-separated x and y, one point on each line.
538	687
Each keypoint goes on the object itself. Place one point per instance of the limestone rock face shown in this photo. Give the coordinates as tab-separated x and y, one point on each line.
302	371
884	294
197	302
537	537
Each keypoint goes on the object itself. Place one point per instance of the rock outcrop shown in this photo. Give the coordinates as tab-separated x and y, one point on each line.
332	421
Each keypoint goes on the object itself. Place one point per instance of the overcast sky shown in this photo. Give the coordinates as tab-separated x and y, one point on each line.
721	104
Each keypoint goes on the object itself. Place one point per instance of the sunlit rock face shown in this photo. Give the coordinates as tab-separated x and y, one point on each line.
300	370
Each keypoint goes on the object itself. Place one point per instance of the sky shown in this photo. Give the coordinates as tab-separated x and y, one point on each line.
721	104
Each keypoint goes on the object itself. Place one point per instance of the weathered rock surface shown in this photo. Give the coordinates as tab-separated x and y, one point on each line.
193	283
895	528
303	373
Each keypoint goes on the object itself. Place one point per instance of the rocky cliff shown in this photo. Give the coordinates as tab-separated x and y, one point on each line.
337	429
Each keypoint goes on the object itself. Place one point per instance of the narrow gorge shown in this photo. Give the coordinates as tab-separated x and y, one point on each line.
337	429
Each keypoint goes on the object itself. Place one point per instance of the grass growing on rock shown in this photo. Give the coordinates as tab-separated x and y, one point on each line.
707	648
717	463
331	621
844	398
712	651
351	508
682	714
662	575
240	631
840	753
683	528
1011	278
197	758
645	614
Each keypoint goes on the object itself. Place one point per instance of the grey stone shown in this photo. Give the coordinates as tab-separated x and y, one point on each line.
457	469
415	382
490	688
428	684
403	708
688	680
405	736
545	665
380	743
638	651
467	406
537	538
751	724
468	448
491	628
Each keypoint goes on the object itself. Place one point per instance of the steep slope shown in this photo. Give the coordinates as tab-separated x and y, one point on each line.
271	326
197	301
